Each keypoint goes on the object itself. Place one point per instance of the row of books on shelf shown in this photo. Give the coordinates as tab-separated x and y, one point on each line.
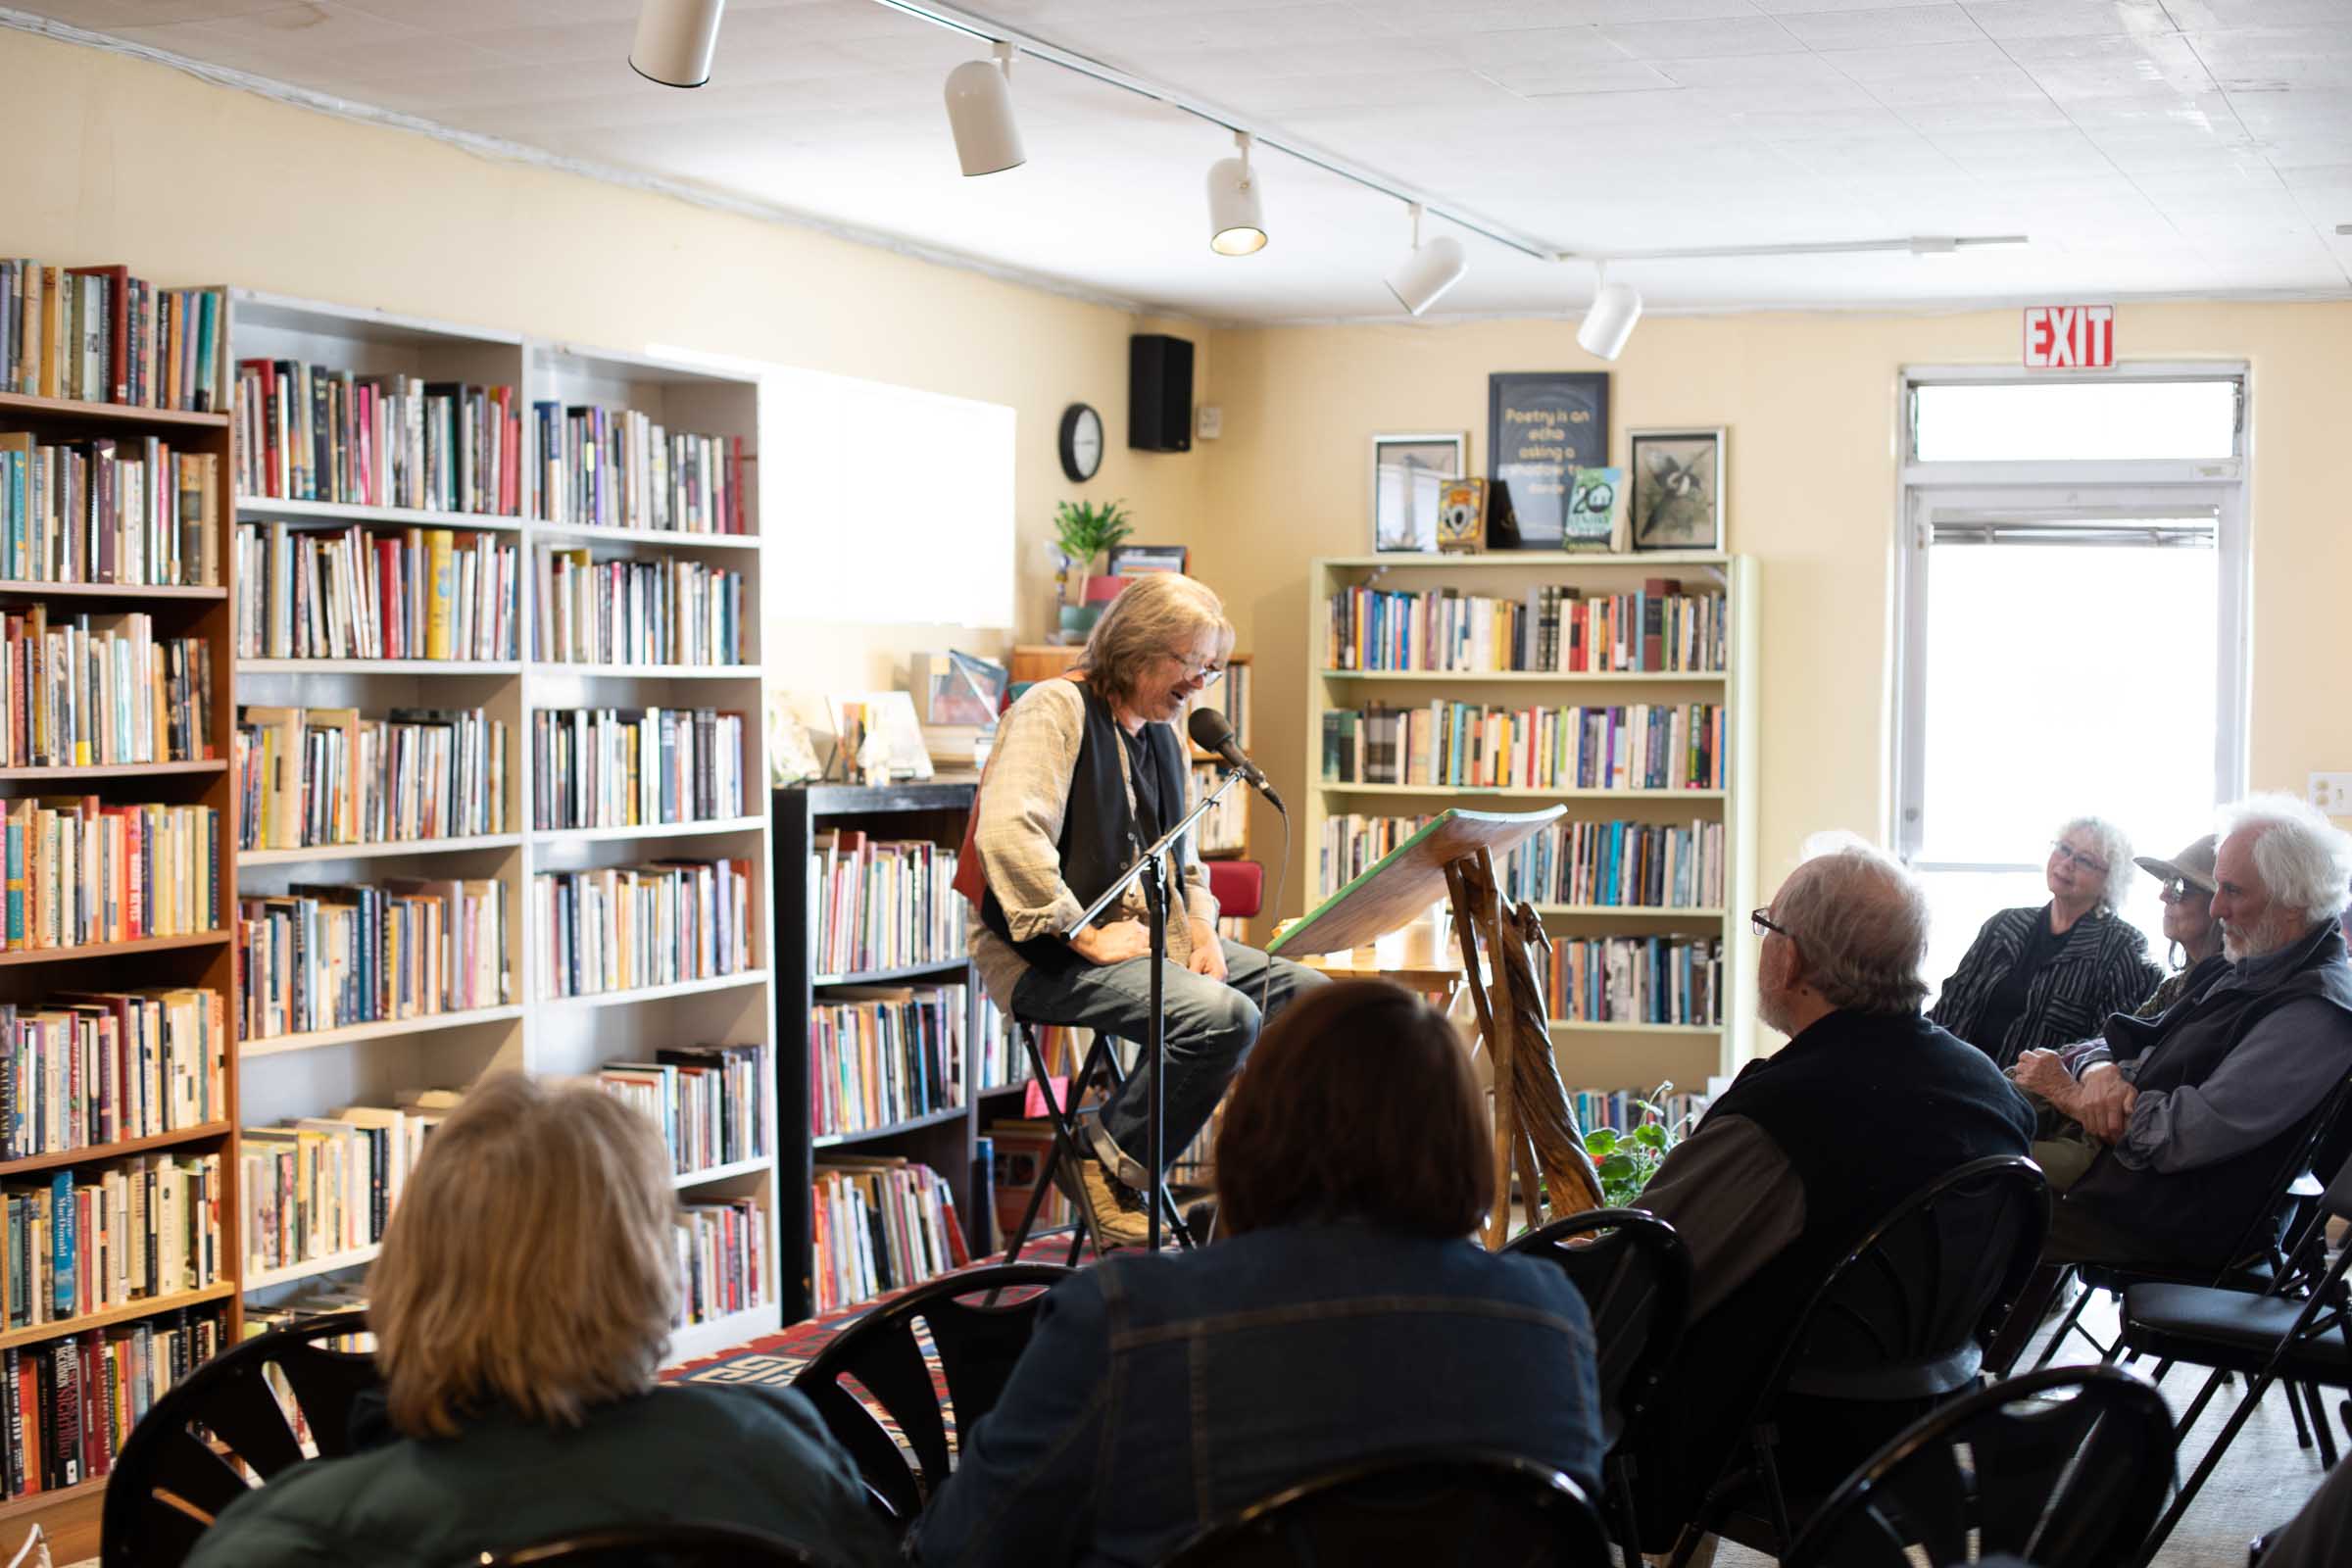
1226	826
320	1186
102	690
723	1259
1555	629
96	334
635	766
78	1243
88	1069
320	957
615	467
310	432
1611	865
882	1224
1450	745
420	593
881	904
314	778
1634	980
882	1055
71	1401
710	1101
998	1060
1230	696
623	928
135	511
81	872
632	612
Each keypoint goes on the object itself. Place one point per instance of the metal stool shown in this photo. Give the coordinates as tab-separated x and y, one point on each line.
1102	1060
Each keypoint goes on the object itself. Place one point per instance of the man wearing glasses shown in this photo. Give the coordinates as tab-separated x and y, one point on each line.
1804	1152
1086	772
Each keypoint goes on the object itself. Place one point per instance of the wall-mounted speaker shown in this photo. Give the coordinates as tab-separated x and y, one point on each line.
1160	393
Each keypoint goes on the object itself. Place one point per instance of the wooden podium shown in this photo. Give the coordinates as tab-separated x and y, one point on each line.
1453	856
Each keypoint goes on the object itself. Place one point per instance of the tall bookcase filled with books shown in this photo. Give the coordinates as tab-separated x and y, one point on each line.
1622	687
119	1093
498	690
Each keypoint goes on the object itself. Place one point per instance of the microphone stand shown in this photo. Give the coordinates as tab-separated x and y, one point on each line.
1150	869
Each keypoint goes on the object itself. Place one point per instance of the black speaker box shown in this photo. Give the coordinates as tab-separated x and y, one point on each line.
1160	393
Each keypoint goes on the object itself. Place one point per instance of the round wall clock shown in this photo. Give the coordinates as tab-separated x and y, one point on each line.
1081	442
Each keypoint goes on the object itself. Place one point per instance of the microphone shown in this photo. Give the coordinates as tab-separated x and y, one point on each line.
1212	733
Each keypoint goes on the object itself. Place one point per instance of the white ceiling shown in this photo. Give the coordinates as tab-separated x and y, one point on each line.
2148	147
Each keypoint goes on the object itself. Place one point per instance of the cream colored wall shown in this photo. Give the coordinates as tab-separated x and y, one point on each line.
116	159
1811	495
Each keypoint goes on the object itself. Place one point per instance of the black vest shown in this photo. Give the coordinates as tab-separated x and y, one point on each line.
1866	1108
1099	835
2197	1216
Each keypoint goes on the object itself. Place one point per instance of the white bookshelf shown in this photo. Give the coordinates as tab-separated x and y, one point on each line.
368	1063
1591	1055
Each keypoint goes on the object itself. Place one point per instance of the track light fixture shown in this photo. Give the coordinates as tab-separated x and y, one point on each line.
987	141
1237	218
674	40
1427	270
1610	319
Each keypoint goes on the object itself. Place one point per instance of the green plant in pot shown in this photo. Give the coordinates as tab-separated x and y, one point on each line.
1627	1160
1083	531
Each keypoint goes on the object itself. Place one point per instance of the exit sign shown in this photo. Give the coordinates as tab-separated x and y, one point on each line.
2070	337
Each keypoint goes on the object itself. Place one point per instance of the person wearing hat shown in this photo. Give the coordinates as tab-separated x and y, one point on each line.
2186	885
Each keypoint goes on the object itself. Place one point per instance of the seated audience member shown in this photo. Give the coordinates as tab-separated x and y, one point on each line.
2186	885
1805	1154
1347	1314
2198	1108
2315	1537
2042	976
522	1306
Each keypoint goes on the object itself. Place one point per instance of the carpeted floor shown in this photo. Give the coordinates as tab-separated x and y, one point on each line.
2259	1485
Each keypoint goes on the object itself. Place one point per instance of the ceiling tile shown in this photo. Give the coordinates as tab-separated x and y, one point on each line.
2124	66
1701	40
2010	154
2201	14
1985	115
1884	27
1791	75
2276	59
2069	19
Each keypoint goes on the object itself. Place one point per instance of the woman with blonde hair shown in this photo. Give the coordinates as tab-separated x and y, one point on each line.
521	1307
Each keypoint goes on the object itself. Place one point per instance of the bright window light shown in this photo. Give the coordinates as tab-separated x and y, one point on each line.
1986	422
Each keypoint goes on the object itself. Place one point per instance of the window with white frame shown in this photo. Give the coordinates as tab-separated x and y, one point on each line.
2072	594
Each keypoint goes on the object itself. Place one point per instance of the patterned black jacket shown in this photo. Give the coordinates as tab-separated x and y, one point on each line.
2105	967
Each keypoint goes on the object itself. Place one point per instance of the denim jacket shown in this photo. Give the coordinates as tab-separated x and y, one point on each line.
1161	1394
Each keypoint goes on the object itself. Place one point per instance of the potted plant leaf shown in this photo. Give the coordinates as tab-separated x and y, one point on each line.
1627	1160
1083	531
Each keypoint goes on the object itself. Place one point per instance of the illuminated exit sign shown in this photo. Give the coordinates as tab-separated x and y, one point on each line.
2070	337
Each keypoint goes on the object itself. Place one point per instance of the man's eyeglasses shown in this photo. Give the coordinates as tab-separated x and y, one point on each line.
2063	851
1206	674
1761	921
2179	890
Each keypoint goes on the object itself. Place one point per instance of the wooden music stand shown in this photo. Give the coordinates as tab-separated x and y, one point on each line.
1453	856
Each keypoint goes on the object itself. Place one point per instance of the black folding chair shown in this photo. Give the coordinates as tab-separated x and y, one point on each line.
662	1545
1634	1276
2063	1468
977	1340
2258	1262
1899	1320
1420	1509
2270	1337
219	1432
1101	1065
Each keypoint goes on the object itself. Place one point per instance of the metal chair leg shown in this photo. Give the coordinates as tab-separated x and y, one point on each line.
2074	1315
2319	1426
2205	1467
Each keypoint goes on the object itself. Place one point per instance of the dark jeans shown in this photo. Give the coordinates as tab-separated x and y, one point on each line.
1210	1027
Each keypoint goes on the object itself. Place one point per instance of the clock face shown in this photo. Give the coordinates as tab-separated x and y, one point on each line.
1081	442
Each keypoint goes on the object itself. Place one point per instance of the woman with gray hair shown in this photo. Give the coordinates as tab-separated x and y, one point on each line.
2040	976
1086	771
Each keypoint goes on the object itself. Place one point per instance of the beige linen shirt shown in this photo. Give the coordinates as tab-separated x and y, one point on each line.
1022	801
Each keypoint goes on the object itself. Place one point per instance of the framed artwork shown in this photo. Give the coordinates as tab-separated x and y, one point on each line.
1542	426
1410	474
1595	520
1462	516
1678	489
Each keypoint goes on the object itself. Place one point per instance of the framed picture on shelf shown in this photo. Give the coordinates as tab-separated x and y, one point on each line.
1135	561
1462	516
1678	489
1542	426
1408	475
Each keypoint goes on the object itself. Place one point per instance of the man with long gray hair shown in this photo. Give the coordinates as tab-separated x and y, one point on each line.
1804	1152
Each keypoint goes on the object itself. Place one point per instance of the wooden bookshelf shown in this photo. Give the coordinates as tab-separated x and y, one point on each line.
200	960
1591	1055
